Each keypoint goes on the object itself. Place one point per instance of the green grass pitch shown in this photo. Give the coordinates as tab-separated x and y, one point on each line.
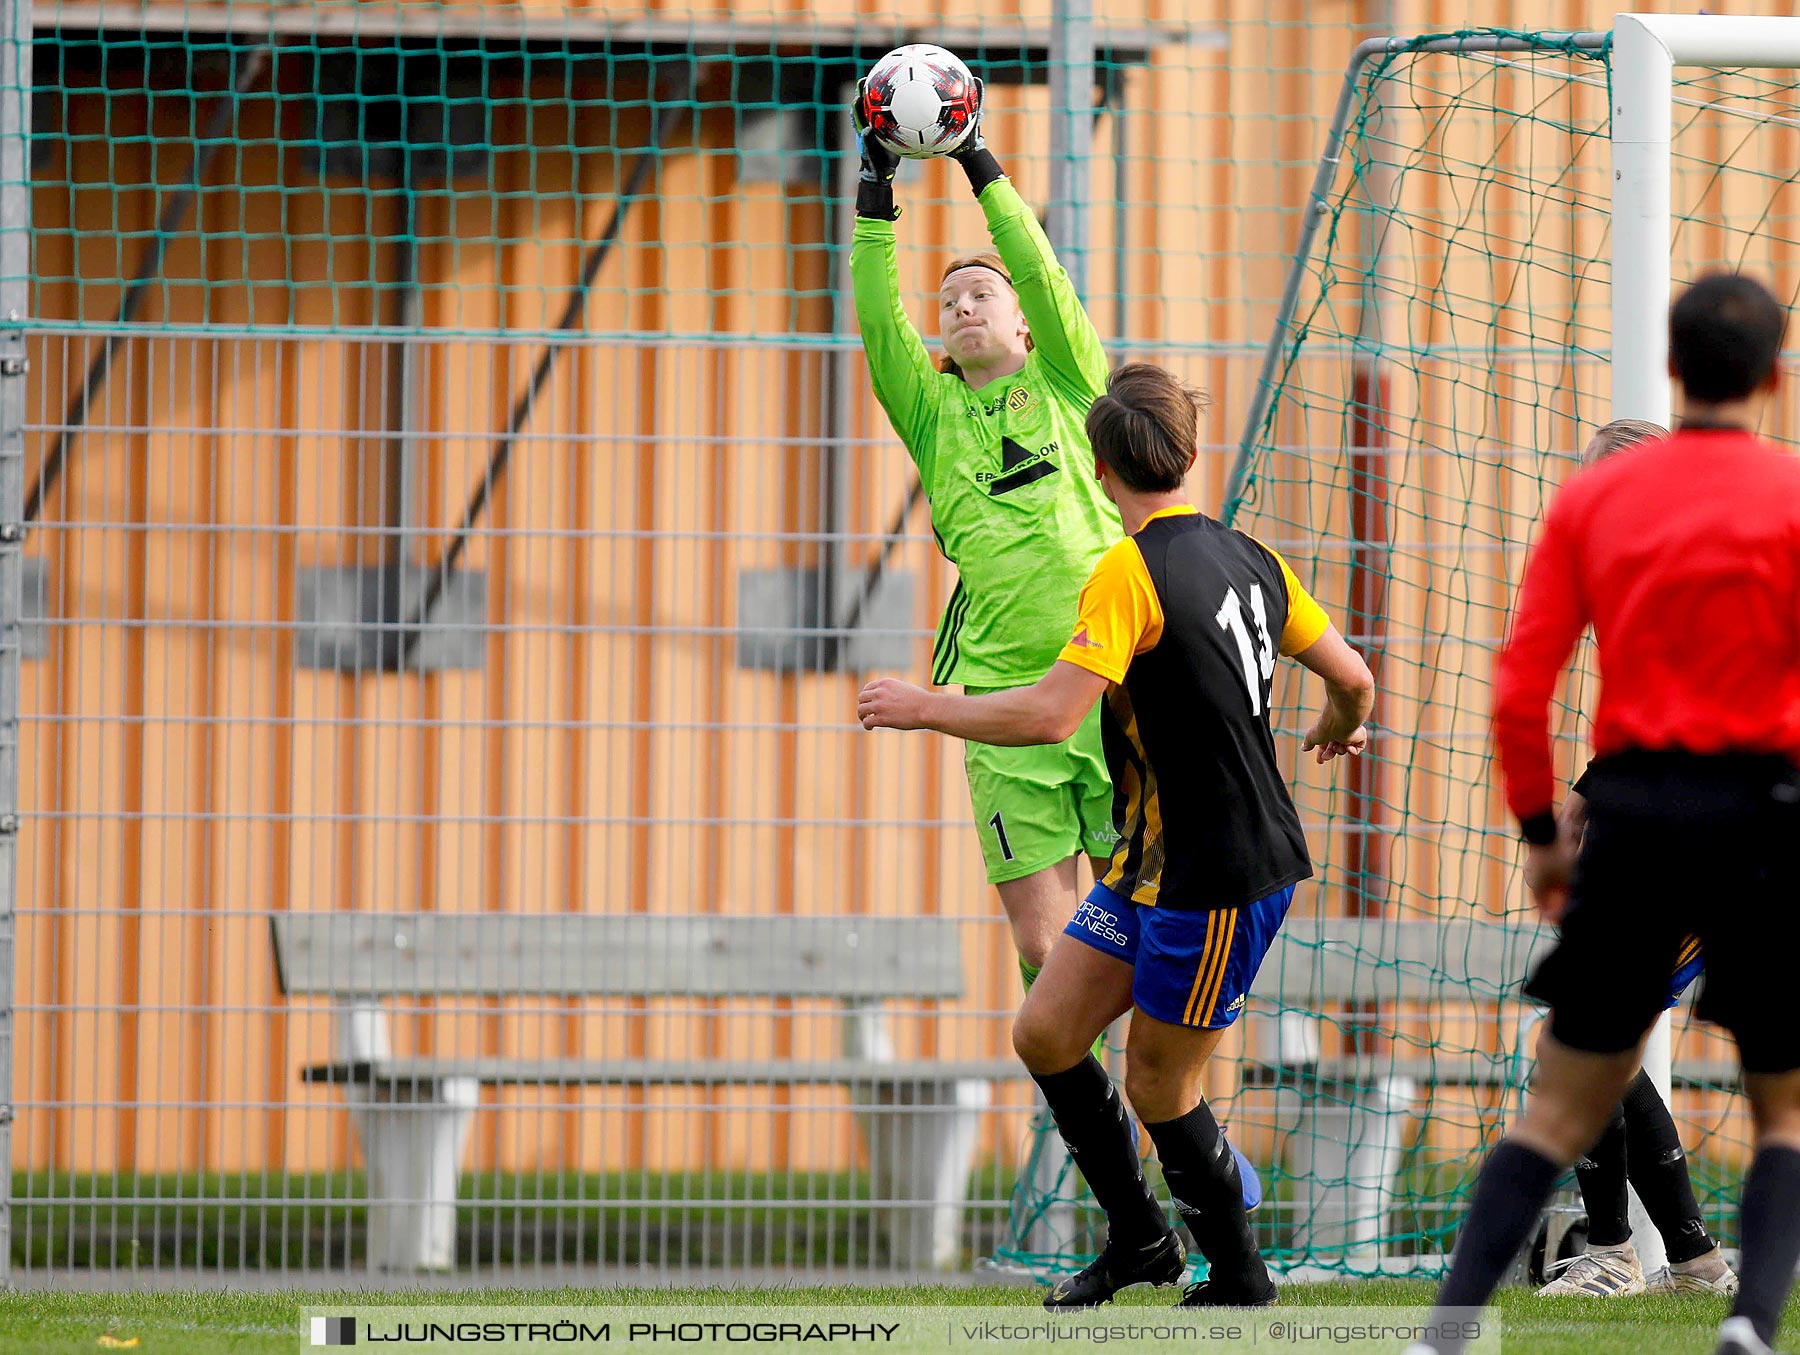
250	1324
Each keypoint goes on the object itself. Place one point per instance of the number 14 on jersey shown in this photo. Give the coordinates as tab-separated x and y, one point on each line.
1256	653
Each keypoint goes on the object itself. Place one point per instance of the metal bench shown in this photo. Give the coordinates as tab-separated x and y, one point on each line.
1350	1110
413	1115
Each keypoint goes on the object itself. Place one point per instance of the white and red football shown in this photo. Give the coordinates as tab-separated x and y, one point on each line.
920	100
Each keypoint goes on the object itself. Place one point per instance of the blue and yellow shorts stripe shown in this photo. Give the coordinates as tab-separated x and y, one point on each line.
1189	969
1690	964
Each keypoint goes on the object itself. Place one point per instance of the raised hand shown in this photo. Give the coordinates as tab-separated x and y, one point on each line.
878	162
974	141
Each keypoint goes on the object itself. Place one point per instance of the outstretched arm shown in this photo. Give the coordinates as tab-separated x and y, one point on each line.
900	369
1061	332
1048	711
1116	619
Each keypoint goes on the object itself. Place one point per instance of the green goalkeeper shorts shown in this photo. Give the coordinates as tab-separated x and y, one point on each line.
1037	806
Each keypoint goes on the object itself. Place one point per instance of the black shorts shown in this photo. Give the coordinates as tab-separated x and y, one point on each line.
1679	844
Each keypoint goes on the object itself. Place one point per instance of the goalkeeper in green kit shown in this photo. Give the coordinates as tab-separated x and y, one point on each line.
999	436
999	441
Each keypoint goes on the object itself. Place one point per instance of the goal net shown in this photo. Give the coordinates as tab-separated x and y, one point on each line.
1445	360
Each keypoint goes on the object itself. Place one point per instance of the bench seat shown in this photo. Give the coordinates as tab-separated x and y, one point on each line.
1453	1070
919	1118
655	1073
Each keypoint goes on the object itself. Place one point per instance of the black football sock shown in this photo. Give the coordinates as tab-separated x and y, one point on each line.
1509	1197
1203	1179
1770	1227
1601	1176
1659	1172
1091	1119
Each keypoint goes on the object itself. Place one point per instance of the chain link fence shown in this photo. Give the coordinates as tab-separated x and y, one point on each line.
443	528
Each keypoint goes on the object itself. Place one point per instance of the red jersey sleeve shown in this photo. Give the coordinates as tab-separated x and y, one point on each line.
1547	622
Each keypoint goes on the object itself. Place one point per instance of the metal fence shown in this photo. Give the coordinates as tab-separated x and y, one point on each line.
443	528
458	527
605	937
628	702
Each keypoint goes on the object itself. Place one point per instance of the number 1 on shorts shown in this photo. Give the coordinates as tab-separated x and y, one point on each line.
999	826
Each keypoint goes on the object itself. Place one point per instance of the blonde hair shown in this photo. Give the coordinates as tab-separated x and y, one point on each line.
992	262
1618	435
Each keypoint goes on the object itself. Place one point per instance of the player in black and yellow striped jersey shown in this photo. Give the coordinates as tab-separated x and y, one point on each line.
1192	700
1179	627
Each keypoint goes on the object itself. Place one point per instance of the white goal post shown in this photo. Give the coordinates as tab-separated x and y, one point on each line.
1646	50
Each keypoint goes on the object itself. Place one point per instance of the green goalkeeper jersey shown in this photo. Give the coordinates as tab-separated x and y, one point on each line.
1007	468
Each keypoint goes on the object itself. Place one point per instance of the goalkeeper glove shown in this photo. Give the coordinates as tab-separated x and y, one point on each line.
875	186
973	155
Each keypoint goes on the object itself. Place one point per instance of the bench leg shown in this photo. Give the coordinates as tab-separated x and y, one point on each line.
1345	1154
412	1141
921	1140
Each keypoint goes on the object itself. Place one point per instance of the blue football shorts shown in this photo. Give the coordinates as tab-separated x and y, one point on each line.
1188	969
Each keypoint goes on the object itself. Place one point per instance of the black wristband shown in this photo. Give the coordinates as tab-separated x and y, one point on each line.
982	169
1539	830
876	200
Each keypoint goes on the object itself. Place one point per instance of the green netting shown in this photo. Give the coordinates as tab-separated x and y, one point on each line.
333	302
335	338
360	166
1447	363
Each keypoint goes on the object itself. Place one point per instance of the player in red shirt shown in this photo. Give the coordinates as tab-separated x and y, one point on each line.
1640	1144
1685	556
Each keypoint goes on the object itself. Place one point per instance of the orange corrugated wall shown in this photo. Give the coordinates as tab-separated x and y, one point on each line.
184	775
